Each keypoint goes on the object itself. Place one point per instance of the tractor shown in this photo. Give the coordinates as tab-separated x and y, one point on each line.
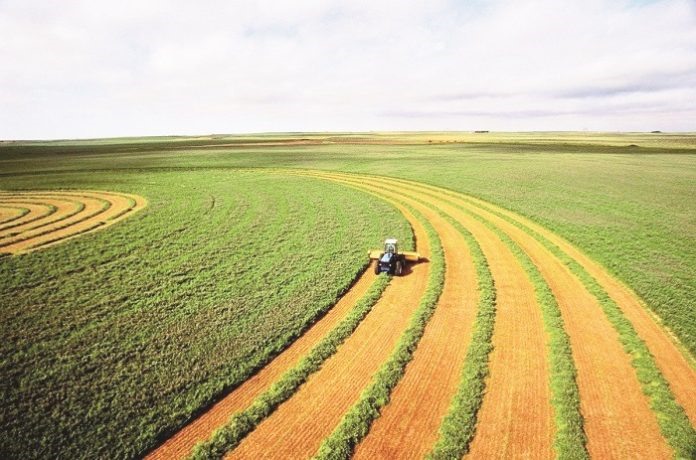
391	260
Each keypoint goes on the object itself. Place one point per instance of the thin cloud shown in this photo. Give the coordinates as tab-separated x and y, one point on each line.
86	69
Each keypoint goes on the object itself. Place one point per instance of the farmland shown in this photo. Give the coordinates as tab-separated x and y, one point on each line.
236	299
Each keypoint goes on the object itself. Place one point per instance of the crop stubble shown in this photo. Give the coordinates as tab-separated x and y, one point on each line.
618	419
408	425
201	428
299	425
54	217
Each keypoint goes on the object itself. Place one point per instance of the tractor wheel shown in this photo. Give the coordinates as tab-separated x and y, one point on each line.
399	268
376	267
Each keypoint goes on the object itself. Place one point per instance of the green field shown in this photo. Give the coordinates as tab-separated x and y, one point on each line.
113	340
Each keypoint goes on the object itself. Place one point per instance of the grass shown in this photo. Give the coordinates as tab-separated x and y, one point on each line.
630	208
459	425
357	421
11	224
113	340
673	422
242	423
116	335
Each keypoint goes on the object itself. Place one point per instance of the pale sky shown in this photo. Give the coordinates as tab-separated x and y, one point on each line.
148	67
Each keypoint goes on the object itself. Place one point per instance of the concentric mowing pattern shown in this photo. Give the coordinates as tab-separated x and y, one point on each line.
31	220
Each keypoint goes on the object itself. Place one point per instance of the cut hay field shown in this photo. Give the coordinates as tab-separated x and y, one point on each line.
207	296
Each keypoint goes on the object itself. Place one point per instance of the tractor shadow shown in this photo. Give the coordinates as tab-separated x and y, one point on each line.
408	268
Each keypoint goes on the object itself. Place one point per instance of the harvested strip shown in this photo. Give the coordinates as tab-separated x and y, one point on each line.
670	416
409	424
297	427
58	209
618	420
673	364
518	385
36	211
181	444
61	215
243	422
669	358
570	440
77	213
458	426
10	213
672	420
569	437
356	423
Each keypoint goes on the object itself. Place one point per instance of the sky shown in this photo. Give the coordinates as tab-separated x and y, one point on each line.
85	69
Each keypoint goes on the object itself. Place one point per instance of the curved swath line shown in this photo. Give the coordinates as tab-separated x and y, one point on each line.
313	411
532	398
22	212
114	206
65	223
133	201
629	404
53	218
671	361
109	213
415	401
506	437
58	224
46	210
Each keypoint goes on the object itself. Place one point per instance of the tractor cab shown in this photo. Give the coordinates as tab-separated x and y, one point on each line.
391	246
390	260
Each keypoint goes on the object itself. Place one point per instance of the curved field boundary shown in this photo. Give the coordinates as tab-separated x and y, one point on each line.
37	211
244	396
598	389
70	213
12	213
680	435
319	405
605	432
358	420
518	385
608	385
242	423
665	397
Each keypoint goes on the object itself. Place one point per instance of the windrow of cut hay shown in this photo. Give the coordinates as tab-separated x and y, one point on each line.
317	408
65	214
357	421
228	436
668	414
567	311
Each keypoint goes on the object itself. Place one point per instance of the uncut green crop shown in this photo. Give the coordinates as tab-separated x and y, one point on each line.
631	208
229	435
110	342
356	423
